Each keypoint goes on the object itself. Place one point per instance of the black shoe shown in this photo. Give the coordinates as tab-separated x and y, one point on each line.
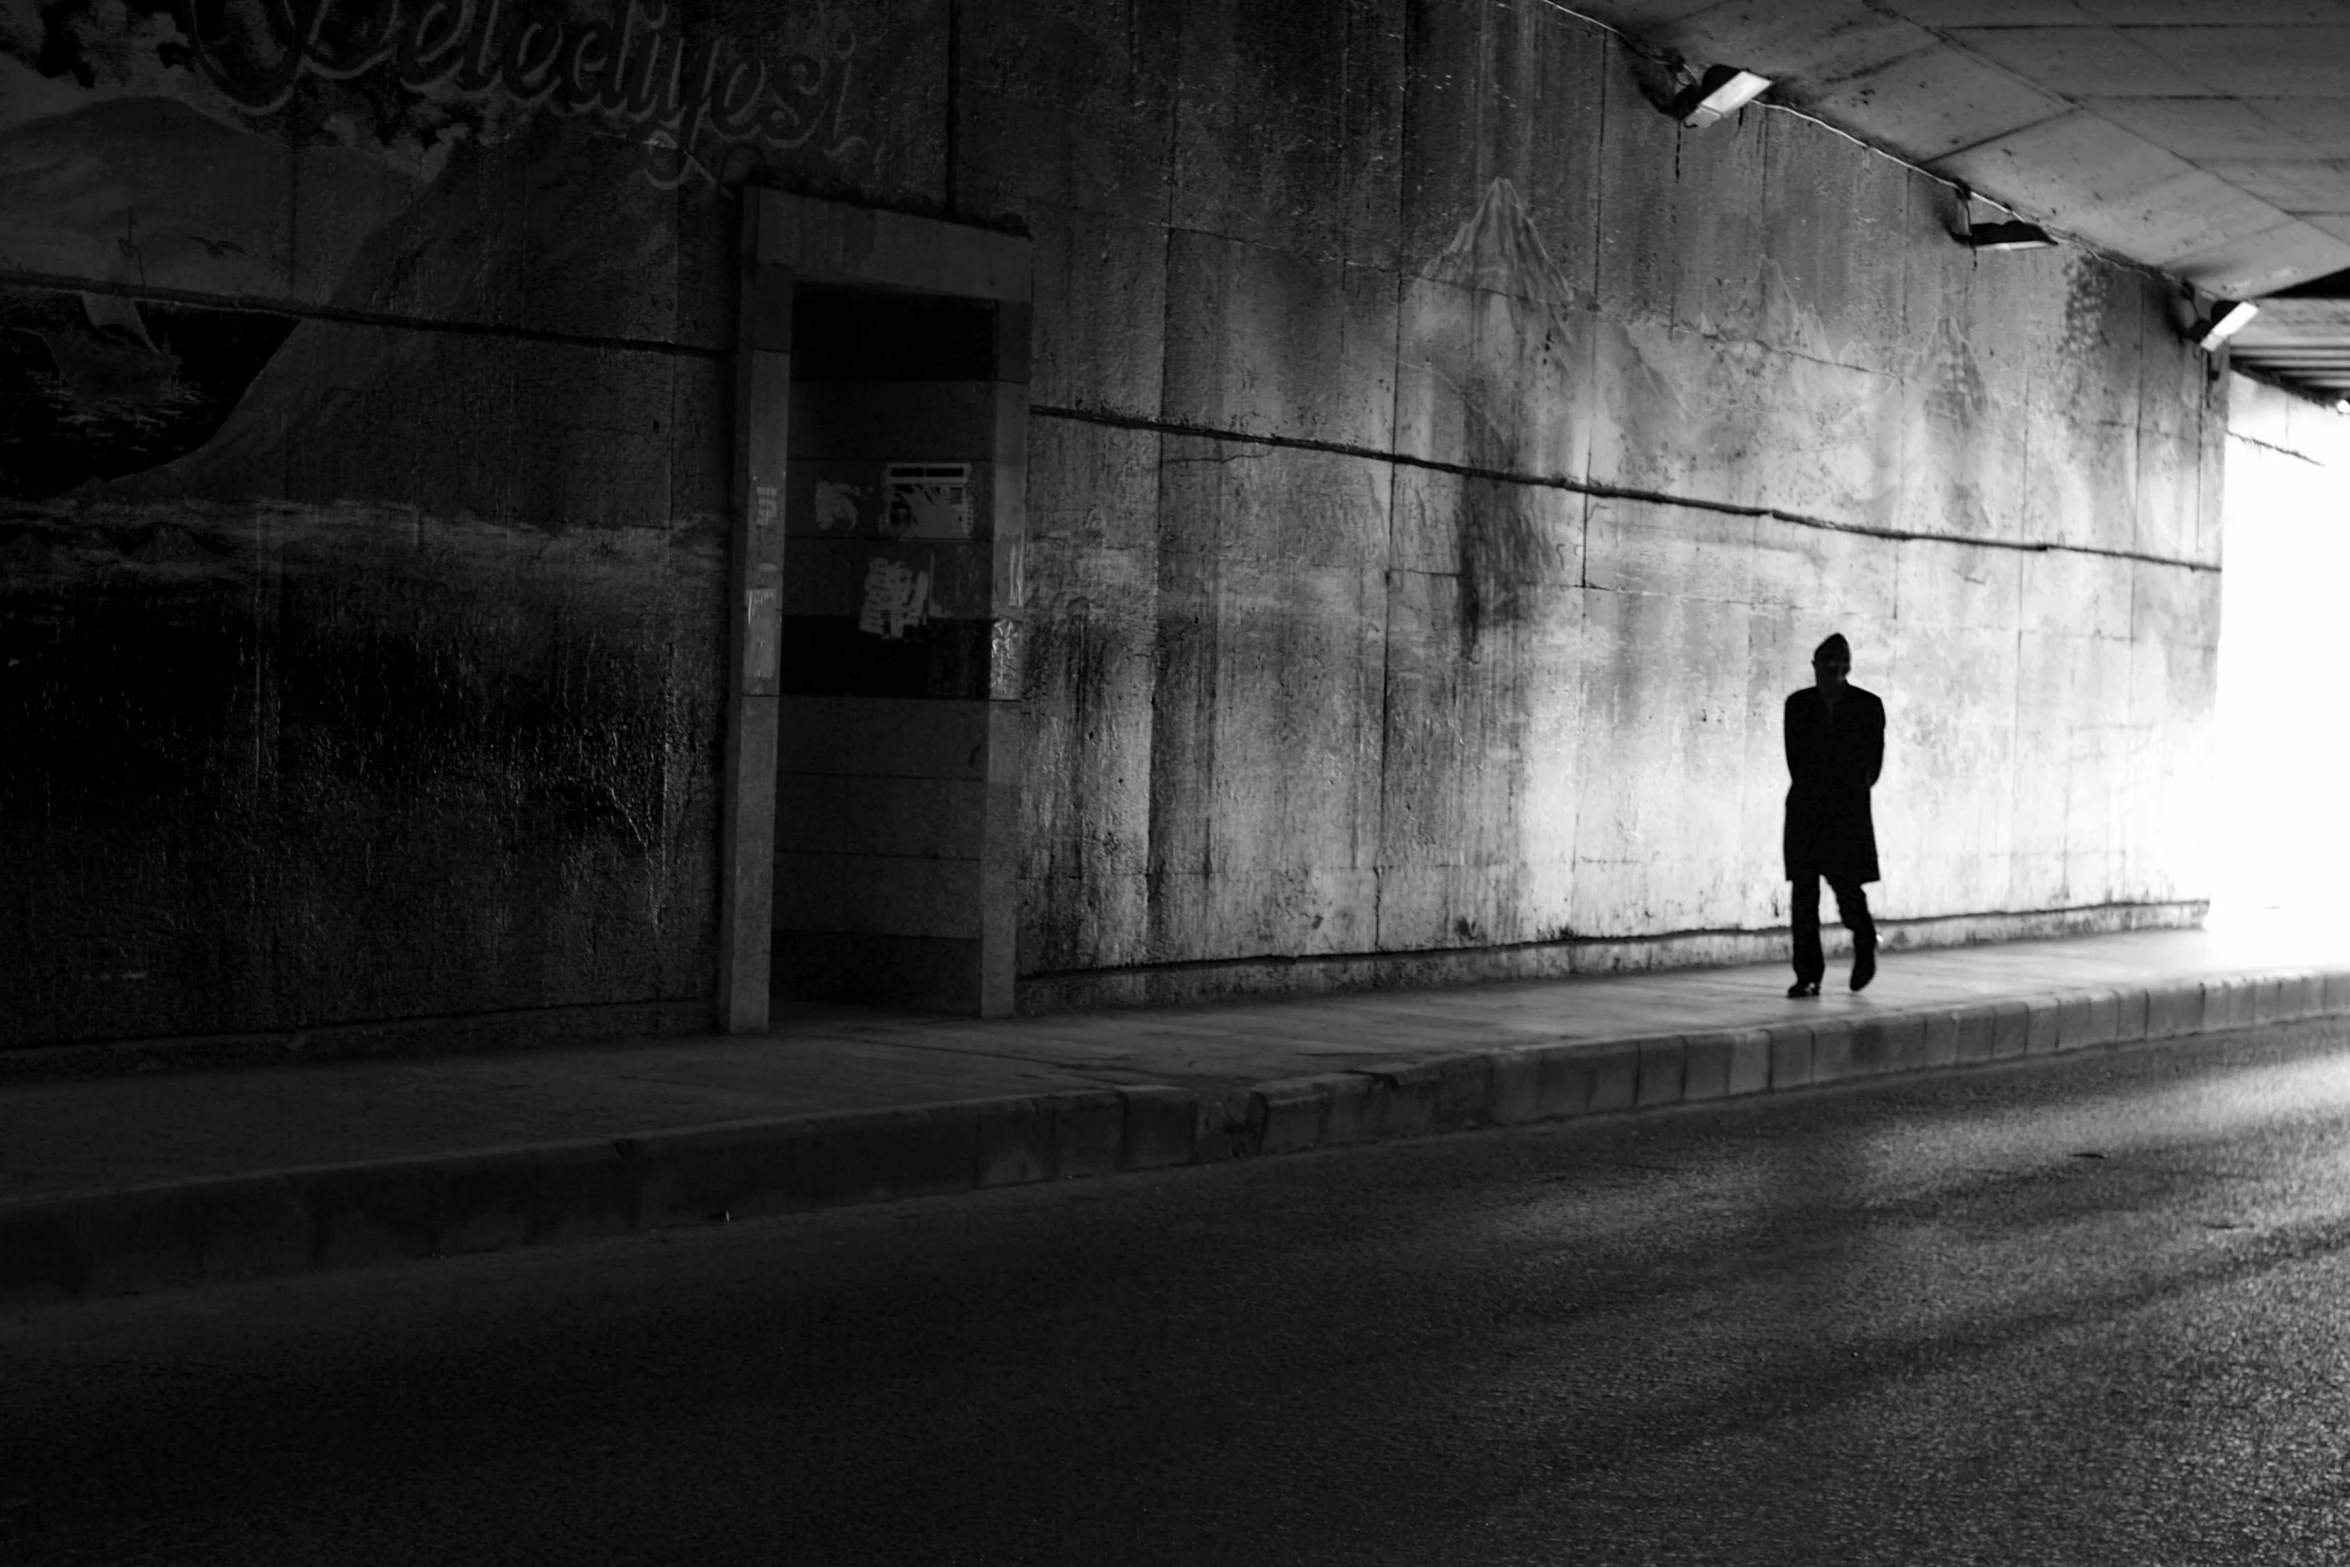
1802	988
1864	968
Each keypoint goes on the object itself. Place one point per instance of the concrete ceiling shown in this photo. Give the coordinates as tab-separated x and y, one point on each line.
2209	139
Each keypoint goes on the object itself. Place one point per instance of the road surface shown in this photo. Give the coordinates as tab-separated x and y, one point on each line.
2088	1310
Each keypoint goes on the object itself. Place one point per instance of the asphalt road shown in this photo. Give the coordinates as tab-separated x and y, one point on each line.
2088	1311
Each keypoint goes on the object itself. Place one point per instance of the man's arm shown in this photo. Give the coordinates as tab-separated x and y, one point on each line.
1876	740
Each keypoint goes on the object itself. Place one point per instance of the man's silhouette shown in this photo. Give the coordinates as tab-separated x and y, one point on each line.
1835	749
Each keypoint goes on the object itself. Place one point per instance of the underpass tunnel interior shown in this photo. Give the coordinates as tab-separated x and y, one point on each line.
2277	826
1259	529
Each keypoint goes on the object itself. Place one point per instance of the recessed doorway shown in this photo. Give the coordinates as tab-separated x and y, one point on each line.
884	435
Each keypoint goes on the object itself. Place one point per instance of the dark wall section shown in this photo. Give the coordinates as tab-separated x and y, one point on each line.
95	387
265	772
365	429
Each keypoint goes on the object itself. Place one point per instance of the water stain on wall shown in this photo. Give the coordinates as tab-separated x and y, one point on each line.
1499	254
1955	388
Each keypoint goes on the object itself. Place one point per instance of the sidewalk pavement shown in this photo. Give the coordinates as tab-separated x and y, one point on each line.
122	1185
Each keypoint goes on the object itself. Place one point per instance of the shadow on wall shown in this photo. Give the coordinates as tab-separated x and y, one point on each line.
269	768
1528	303
327	696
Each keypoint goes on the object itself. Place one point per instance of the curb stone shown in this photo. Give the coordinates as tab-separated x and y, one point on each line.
90	1245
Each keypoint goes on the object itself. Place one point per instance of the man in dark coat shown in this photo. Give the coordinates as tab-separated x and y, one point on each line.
1835	749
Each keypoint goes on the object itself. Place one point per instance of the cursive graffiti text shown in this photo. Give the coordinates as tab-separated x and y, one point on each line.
684	96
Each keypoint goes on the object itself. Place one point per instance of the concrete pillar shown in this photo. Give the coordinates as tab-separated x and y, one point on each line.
746	872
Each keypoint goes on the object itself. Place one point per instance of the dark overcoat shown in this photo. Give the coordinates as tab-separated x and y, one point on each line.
1833	762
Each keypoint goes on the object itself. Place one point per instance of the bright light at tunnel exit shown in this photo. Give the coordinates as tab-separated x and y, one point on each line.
2273	833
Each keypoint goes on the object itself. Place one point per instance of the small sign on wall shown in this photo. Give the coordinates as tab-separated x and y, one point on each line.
926	500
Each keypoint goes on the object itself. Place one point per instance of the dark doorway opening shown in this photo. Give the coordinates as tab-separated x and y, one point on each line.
883	870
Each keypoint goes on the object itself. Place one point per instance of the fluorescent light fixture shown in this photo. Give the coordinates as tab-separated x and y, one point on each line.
1723	89
2224	322
2009	236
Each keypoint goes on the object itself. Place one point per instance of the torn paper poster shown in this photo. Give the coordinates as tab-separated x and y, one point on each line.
836	505
896	597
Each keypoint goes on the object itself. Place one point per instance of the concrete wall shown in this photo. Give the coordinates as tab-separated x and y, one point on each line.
1440	467
1455	463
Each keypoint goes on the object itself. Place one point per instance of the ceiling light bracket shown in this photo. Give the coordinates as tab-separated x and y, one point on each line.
2009	233
1722	90
2228	317
2014	234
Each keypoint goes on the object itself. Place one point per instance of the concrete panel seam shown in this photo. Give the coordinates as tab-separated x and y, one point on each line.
1285	1115
1137	422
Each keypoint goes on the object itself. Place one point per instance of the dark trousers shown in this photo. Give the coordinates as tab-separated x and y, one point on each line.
1852	904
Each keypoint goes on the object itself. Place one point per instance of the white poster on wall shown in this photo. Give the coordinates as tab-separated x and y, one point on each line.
927	500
